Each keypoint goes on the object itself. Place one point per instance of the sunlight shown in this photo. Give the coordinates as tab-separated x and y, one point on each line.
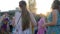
43	6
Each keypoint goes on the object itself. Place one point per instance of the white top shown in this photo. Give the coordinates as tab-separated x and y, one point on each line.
19	25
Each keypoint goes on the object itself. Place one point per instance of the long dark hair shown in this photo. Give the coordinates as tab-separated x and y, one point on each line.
25	15
56	4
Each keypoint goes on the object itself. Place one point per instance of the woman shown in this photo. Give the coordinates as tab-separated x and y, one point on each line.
40	23
54	19
23	20
4	25
11	24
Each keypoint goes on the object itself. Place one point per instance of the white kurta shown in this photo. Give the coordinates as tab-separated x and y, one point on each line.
19	25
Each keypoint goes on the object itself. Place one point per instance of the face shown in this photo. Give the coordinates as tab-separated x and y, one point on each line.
22	5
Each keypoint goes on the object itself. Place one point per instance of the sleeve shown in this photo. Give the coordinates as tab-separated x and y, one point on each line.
33	19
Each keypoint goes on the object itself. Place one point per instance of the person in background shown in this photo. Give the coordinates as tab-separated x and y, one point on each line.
0	24
11	24
6	15
4	26
8	24
24	19
37	17
13	21
40	23
1	18
53	19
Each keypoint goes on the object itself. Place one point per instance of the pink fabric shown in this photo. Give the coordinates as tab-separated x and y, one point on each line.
40	29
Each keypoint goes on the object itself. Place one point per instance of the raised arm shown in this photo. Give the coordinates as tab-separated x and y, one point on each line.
33	19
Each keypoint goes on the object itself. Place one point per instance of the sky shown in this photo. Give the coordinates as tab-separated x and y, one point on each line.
6	5
42	5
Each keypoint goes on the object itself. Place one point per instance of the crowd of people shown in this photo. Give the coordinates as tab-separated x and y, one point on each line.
24	22
52	26
6	24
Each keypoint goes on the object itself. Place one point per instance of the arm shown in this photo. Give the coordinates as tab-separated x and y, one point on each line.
54	19
33	19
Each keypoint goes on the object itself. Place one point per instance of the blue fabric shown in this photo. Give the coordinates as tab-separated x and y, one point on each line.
54	29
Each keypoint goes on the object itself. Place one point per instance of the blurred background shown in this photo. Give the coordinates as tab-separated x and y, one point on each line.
37	7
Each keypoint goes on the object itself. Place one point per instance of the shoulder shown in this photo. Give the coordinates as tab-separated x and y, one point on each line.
54	12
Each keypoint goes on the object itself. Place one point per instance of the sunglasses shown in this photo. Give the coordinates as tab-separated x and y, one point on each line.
20	5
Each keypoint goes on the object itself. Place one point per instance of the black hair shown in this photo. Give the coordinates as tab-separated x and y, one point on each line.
55	4
22	3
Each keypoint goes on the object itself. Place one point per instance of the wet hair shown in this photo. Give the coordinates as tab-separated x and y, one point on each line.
22	3
25	16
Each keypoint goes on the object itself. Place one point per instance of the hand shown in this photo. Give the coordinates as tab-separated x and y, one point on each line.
44	25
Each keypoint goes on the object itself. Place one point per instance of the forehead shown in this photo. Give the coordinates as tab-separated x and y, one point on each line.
21	2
